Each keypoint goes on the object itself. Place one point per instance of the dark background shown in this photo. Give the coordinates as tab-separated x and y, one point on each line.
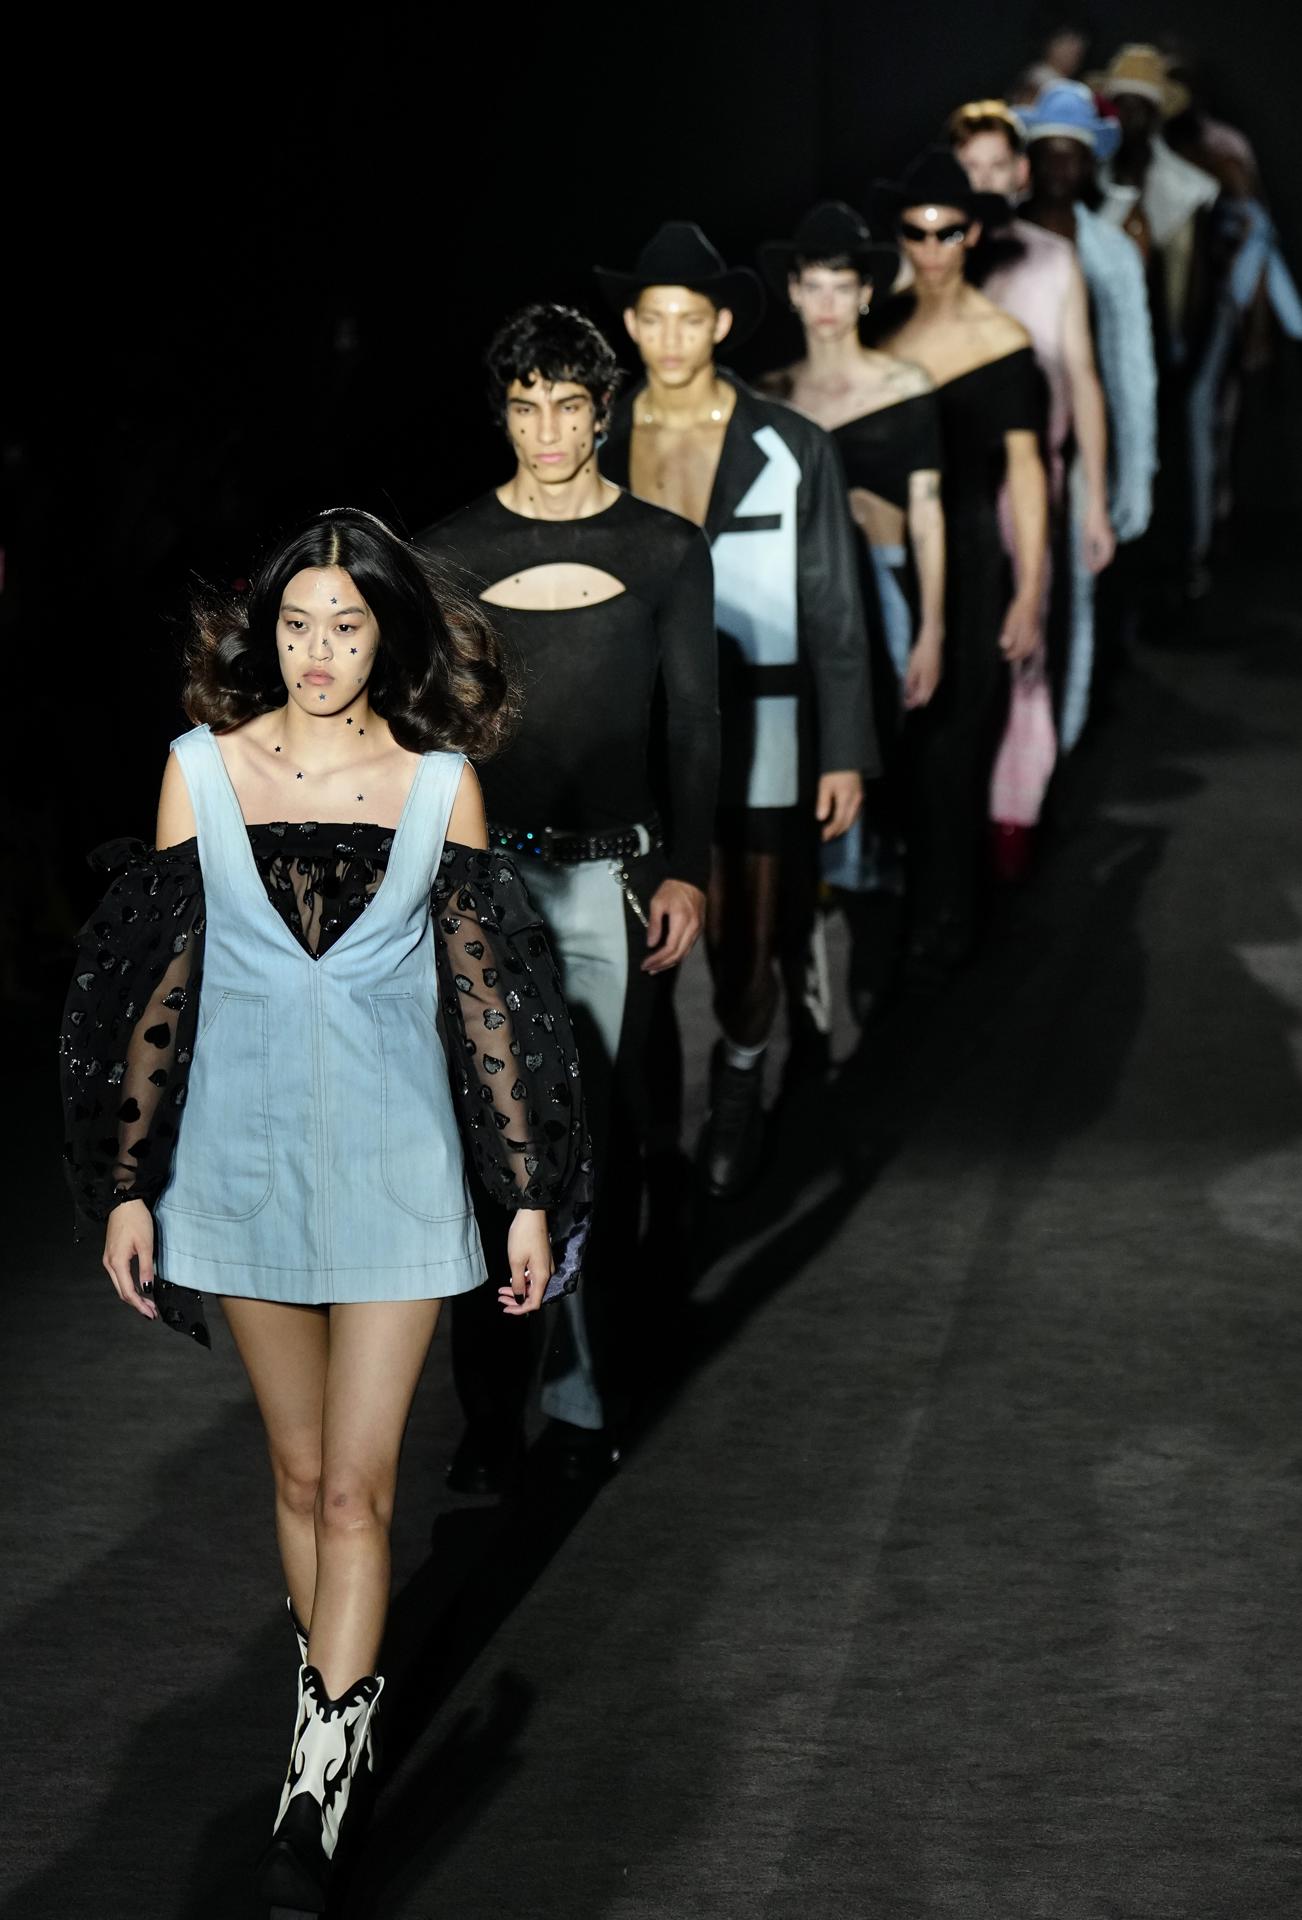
258	260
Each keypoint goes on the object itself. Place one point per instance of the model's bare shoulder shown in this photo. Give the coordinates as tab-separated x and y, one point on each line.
468	823
175	813
908	379
1009	334
993	331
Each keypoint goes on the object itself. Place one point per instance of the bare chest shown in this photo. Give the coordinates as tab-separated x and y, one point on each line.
948	351
270	785
676	468
833	404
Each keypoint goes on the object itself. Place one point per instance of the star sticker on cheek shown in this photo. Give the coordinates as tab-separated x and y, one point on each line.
352	649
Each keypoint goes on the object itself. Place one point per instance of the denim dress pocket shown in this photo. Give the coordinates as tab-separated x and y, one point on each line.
420	1147
226	1110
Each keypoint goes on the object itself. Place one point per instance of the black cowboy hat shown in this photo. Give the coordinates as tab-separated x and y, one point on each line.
830	231
679	255
936	179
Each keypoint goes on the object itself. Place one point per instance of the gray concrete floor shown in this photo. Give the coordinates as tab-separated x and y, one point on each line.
954	1573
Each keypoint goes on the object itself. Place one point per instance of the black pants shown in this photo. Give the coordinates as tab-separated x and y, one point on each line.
495	1357
951	744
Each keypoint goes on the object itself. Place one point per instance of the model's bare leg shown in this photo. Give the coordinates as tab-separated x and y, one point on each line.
285	1351
376	1354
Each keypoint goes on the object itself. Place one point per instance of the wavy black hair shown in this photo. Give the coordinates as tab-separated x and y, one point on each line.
548	342
439	678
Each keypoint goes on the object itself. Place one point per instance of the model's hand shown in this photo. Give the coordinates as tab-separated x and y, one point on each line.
1098	541
129	1236
674	921
1129	513
840	796
530	1253
922	675
1021	634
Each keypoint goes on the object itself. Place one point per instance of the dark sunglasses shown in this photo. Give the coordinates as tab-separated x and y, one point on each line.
947	236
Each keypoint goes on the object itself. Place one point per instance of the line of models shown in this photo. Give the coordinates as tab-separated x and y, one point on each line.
683	638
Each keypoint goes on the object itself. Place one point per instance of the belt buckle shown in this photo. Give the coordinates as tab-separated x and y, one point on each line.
643	839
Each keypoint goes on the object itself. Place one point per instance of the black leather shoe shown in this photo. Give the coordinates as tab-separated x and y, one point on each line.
486	1462
810	1055
582	1455
729	1149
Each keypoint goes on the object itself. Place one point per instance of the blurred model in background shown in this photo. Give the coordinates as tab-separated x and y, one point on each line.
606	604
1065	135
990	397
1034	275
796	729
882	414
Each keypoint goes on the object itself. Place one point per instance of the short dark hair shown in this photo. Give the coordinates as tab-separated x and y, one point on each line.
548	342
832	262
439	677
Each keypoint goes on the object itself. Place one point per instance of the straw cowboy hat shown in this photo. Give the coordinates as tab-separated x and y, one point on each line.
1145	71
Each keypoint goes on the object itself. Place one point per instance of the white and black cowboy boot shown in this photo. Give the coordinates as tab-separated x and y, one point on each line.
372	1730
332	1746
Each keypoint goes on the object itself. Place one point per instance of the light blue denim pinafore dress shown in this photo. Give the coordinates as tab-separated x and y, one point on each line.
318	1157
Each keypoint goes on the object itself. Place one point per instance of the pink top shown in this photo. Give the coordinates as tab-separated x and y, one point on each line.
1034	289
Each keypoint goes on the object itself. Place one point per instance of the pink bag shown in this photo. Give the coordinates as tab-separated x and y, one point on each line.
1029	749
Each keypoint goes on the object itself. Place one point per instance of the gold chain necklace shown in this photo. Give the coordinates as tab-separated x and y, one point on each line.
649	419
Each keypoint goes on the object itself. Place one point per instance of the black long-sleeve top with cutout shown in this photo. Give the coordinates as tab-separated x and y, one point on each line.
621	707
128	1032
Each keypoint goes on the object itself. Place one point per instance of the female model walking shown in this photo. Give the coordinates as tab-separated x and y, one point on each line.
254	1066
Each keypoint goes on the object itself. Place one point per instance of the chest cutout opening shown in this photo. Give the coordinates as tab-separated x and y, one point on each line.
558	587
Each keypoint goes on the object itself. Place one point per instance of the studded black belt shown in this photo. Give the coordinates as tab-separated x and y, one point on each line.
557	849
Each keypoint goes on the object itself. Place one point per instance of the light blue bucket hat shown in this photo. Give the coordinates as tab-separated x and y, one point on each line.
1067	111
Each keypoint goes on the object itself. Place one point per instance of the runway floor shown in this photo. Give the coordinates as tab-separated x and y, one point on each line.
956	1571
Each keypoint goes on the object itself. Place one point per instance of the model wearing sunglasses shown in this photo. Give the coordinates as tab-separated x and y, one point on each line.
949	236
988	395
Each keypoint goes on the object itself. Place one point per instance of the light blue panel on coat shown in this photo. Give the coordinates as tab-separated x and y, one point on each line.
756	605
